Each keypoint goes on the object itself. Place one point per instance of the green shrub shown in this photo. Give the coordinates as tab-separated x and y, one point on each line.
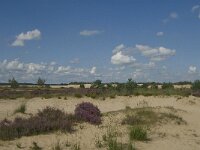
21	109
78	95
82	86
167	86
138	133
196	85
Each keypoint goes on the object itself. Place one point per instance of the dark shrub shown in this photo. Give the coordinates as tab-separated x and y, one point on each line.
88	112
196	85
47	120
167	86
82	86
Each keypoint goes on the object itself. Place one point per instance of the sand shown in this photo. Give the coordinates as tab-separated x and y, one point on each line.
166	137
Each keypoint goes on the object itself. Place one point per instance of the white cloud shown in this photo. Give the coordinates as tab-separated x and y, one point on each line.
172	16
22	37
160	33
192	70
155	54
93	70
120	59
196	8
90	32
75	61
118	48
63	69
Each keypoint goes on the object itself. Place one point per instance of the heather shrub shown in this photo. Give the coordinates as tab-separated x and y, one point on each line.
47	120
88	112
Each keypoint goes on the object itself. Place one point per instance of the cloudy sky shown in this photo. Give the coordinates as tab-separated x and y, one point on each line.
111	40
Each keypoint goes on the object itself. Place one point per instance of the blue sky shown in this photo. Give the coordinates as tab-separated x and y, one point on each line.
111	40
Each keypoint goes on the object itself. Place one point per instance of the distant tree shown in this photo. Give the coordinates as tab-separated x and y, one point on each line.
13	83
82	85
196	85
167	86
41	82
145	85
130	85
97	84
154	86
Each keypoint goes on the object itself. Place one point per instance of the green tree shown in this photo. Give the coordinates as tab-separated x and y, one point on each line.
130	86
41	82
167	86
97	84
13	83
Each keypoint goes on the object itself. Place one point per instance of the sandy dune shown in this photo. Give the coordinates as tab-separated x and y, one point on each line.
165	137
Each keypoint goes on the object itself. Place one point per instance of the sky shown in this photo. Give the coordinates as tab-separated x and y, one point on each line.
112	40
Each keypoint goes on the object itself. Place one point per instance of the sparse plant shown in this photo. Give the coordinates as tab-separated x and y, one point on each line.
88	112
138	133
57	146
21	109
76	146
19	145
35	146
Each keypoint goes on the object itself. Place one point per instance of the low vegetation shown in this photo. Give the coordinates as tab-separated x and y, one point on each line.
47	120
138	133
88	112
21	109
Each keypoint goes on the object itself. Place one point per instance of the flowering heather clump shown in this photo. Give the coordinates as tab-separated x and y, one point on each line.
47	120
88	112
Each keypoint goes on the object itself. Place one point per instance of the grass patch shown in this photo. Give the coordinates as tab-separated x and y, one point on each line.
138	133
111	142
146	116
21	109
78	95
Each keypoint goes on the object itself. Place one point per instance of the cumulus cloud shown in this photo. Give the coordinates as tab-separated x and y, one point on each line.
120	59
28	72
90	32
196	8
22	37
93	70
192	70
160	33
155	54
